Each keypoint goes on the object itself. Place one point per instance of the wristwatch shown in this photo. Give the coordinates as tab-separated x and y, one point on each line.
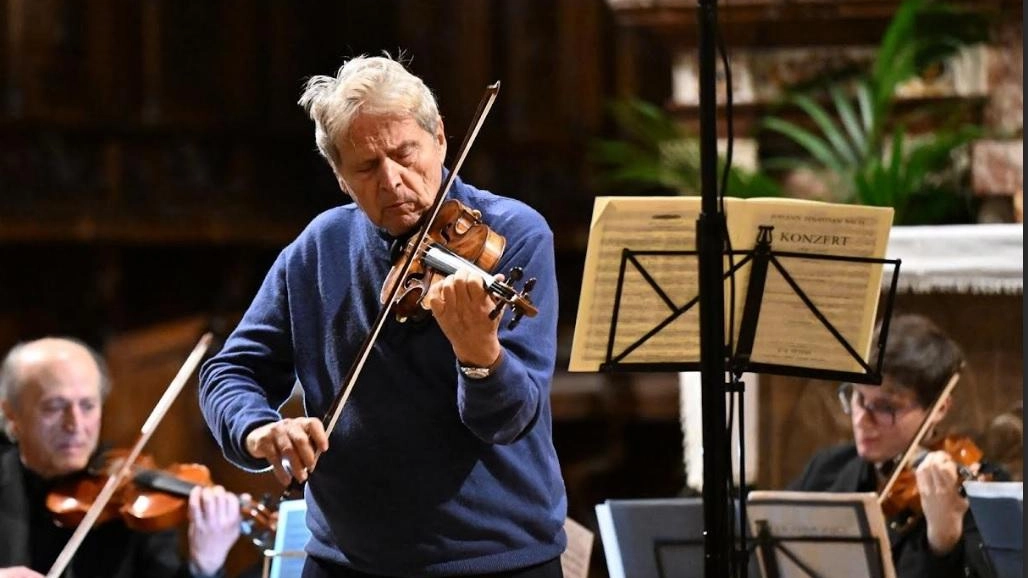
472	372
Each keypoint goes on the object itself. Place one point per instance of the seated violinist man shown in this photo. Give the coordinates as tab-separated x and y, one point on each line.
52	392
919	362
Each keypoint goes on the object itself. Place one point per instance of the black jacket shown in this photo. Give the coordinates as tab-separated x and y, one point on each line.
110	550
840	469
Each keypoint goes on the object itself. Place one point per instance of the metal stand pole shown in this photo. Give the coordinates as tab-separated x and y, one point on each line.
710	245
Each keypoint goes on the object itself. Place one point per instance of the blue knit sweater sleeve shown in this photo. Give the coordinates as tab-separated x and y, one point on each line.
501	407
253	373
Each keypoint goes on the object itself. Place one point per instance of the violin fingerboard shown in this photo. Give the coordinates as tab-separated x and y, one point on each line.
157	480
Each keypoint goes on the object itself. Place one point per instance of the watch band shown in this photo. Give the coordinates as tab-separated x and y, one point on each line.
473	372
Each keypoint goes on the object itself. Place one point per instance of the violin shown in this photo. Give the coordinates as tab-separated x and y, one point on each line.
456	240
899	498
151	500
902	504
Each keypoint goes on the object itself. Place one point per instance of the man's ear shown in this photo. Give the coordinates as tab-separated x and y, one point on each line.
8	412
440	135
342	184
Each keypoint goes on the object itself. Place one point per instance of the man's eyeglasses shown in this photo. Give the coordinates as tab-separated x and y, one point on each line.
882	412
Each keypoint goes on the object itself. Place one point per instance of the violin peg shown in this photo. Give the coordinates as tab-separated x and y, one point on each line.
497	310
516	273
529	285
514	320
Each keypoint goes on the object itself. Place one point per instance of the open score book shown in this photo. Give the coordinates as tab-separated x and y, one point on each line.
787	332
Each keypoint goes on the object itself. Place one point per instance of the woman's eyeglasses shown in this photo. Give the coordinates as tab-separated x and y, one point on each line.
883	412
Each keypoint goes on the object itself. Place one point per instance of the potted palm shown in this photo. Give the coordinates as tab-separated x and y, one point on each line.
860	143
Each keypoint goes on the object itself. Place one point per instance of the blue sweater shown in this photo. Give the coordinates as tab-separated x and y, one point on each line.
427	473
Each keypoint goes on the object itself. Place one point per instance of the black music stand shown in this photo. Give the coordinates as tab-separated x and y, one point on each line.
654	537
998	509
820	535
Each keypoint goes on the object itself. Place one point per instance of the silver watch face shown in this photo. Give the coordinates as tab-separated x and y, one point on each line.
475	372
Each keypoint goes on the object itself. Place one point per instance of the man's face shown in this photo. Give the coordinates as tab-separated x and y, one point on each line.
885	420
57	416
392	168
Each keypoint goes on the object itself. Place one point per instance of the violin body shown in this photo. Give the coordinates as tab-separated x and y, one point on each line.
457	239
902	503
151	500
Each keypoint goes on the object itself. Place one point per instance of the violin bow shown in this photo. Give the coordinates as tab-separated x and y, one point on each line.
114	481
918	437
331	417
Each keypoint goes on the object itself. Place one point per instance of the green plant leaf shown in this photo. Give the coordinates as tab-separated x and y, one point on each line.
868	117
817	148
896	39
832	135
644	122
849	119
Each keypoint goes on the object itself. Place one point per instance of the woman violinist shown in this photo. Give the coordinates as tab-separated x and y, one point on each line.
934	535
51	394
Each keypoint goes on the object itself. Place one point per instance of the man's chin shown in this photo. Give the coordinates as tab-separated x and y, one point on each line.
869	453
70	464
400	227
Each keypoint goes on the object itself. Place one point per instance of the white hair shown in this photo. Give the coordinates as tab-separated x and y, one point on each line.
13	381
376	85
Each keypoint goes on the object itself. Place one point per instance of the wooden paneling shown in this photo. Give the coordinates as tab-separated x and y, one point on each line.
779	22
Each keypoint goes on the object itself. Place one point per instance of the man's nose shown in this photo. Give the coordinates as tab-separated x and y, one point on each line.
389	177
72	418
862	416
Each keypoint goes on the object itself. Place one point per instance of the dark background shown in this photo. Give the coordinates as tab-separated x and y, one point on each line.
153	161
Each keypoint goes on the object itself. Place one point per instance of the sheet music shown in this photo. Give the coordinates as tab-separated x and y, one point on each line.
640	224
787	334
846	293
795	518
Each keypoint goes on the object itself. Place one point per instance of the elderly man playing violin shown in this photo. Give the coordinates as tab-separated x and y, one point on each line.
919	362
51	393
441	461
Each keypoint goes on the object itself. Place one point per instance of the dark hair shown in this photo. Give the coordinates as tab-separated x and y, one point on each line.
920	357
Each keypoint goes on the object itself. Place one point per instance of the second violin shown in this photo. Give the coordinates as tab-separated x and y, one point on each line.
902	503
152	500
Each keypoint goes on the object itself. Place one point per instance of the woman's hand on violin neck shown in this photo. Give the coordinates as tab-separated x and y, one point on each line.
214	526
461	306
290	445
944	507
